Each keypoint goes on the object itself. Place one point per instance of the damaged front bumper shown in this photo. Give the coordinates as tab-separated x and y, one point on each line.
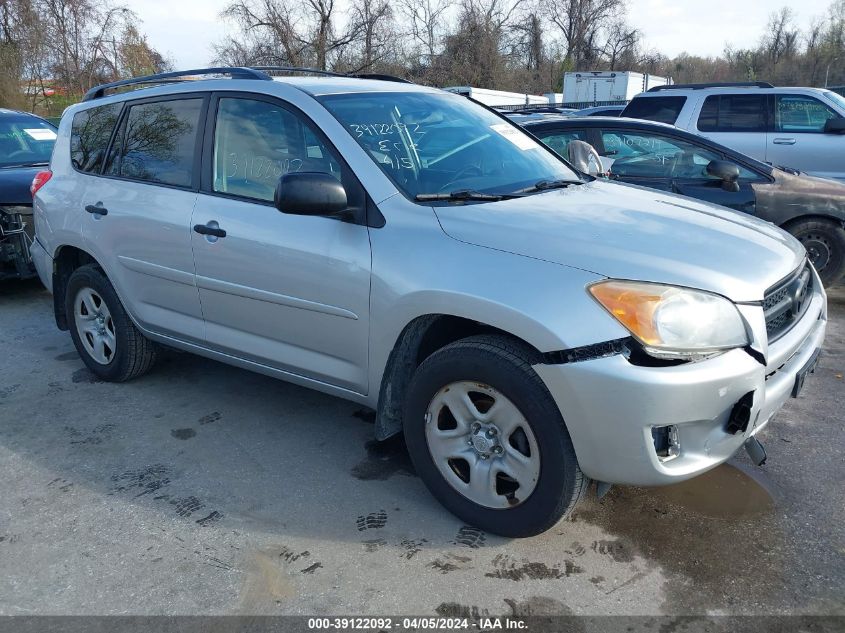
638	425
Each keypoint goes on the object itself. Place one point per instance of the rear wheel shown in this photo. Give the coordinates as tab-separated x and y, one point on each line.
107	341
488	440
825	244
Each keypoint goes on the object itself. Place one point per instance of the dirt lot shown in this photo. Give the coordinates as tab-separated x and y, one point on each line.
204	489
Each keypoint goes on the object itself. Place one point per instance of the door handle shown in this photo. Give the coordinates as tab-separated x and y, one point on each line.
210	229
97	209
784	141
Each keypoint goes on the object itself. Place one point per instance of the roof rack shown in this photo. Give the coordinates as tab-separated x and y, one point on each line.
380	77
180	75
294	69
736	84
329	73
235	72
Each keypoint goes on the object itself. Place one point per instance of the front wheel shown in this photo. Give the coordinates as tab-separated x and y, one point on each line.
488	440
825	244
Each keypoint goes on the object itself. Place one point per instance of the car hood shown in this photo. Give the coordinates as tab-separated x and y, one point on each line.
14	185
629	232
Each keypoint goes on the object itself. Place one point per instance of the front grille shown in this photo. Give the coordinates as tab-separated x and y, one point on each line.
786	301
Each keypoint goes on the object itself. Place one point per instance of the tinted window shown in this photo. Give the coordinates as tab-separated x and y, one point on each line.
660	109
638	154
89	136
255	142
559	140
733	113
157	142
429	143
800	113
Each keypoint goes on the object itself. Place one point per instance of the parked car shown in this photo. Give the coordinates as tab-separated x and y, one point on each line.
528	328
799	128
26	142
542	110
664	157
600	111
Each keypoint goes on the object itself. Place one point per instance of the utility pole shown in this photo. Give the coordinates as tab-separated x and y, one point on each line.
827	70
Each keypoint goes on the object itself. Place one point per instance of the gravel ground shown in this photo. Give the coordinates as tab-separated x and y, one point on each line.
205	489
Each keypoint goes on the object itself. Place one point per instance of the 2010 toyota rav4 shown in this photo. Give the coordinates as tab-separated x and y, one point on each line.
529	328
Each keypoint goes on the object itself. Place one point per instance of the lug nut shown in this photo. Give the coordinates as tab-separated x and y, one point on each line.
497	449
475	427
491	432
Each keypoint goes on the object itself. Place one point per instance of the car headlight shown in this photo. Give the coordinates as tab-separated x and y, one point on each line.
672	322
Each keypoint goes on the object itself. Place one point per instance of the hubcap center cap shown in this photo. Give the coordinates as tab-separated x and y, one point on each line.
482	444
484	438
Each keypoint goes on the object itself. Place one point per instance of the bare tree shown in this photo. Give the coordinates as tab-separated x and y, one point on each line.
135	55
580	22
781	38
621	42
426	24
285	32
372	21
78	37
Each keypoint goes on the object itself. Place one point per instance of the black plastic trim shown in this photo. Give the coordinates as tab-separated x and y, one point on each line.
736	84
235	72
587	352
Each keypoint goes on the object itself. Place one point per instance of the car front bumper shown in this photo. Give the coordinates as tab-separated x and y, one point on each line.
611	406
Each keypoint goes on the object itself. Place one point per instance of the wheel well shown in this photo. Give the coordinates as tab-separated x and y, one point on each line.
812	217
67	259
419	340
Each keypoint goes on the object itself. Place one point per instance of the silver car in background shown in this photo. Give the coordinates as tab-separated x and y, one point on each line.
797	128
527	327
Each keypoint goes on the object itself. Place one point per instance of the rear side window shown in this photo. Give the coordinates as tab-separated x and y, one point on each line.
733	113
89	137
157	142
660	109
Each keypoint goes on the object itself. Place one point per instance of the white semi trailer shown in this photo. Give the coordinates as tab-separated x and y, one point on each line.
595	87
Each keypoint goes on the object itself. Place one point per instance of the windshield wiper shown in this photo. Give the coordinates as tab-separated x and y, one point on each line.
464	194
543	185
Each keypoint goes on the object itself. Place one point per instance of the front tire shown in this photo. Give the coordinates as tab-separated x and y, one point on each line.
488	440
107	341
825	244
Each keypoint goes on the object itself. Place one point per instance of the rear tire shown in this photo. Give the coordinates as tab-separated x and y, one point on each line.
107	341
825	244
508	403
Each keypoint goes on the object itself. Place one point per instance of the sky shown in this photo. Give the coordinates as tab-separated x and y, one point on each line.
184	30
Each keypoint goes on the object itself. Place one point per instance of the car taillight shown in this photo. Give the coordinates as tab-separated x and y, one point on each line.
39	181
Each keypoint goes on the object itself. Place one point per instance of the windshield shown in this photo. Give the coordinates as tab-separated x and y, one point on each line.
25	141
837	98
440	143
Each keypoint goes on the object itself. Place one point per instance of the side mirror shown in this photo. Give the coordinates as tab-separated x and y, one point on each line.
835	126
725	171
310	193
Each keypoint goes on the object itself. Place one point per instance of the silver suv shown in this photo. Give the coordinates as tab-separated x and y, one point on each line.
527	327
796	128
